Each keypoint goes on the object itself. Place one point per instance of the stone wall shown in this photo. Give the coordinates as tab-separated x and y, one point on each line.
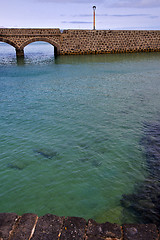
84	41
111	41
50	227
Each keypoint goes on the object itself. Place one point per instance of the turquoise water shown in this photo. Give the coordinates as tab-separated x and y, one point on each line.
70	130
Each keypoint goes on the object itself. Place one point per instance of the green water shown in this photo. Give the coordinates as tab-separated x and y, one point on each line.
70	130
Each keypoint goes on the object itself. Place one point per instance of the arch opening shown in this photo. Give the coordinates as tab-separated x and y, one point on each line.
6	42
42	41
52	49
39	52
7	53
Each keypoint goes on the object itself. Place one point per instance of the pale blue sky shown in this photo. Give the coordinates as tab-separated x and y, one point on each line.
77	14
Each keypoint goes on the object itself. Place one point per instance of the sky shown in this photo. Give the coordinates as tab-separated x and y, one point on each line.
78	14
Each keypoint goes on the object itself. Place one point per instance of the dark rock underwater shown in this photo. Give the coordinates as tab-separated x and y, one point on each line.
144	203
46	153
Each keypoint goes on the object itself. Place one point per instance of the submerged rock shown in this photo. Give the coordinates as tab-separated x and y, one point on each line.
84	159
83	145
46	153
90	159
96	163
14	166
151	145
144	202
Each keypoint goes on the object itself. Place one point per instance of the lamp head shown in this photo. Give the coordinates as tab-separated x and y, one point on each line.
94	7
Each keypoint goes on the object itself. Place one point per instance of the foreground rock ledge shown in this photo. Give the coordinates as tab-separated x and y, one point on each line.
50	227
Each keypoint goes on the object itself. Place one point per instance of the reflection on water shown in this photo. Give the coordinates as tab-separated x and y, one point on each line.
71	129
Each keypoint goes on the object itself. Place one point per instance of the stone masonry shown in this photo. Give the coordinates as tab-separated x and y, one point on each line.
50	227
103	41
84	41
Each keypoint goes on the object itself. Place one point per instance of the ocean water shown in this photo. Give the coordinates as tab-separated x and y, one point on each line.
71	130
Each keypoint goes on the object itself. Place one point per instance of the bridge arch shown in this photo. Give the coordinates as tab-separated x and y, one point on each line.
8	41
43	39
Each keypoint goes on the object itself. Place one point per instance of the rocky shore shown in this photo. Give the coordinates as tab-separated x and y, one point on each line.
50	227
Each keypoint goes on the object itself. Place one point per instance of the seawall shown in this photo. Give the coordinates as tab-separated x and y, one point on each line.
50	227
109	41
84	41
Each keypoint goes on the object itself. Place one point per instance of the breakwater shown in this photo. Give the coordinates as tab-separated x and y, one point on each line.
50	227
73	42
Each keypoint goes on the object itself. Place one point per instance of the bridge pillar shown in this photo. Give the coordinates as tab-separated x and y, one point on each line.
20	53
56	51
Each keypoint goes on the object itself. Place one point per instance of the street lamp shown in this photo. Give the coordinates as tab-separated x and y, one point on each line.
94	17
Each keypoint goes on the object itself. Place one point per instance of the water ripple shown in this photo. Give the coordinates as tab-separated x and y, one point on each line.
70	132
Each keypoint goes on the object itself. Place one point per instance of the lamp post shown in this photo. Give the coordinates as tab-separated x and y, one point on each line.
94	17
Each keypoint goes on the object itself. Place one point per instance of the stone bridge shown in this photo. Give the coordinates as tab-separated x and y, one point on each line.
83	41
19	38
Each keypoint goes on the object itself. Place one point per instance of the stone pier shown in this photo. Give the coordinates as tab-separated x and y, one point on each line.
20	53
73	42
50	227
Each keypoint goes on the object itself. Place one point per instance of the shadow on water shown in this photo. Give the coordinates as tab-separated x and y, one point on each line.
144	202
